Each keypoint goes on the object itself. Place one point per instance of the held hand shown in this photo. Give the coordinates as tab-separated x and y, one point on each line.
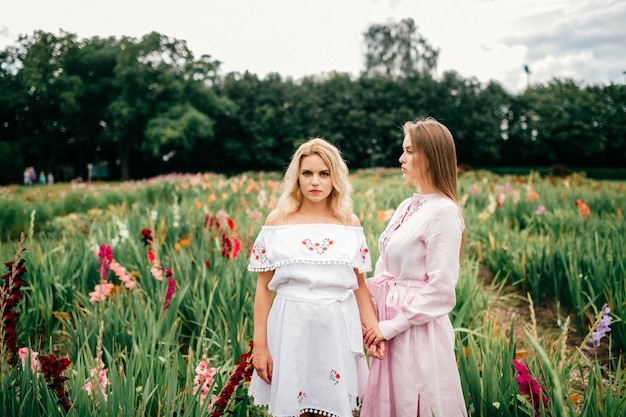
377	351
263	364
372	336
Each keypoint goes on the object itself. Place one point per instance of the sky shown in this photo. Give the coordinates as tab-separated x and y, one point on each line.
584	40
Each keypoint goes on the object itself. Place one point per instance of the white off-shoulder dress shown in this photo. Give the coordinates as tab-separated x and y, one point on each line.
314	328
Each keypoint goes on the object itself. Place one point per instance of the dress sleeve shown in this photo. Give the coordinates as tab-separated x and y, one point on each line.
363	260
260	260
437	298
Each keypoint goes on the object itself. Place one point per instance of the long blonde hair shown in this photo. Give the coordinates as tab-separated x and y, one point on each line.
436	143
339	198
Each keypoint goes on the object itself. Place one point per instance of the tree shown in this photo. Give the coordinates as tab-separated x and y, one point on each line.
159	85
398	50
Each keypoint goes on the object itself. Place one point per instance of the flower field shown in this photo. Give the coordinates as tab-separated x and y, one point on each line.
133	299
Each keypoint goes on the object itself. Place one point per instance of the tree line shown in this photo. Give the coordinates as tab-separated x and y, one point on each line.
142	107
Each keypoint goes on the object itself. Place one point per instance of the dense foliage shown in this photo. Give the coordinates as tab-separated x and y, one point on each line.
135	108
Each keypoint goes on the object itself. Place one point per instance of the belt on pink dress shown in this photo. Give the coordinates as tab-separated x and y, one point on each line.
389	297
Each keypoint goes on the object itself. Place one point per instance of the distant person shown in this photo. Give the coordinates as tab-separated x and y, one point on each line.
42	178
28	180
413	287
50	178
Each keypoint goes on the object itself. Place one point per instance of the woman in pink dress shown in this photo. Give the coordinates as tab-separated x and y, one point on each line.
311	296
413	287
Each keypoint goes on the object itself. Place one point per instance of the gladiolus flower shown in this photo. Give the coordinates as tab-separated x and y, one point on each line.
530	387
100	292
604	327
583	209
106	257
540	210
242	372
122	274
157	273
52	369
532	195
9	297
24	354
203	379
100	380
171	288
146	236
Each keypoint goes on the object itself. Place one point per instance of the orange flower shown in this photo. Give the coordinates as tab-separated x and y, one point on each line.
575	397
211	198
521	354
583	209
620	215
198	204
184	241
532	195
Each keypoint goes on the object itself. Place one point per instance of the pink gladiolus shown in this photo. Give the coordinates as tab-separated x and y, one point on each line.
157	273
101	292
122	274
106	257
99	380
24	355
203	380
540	210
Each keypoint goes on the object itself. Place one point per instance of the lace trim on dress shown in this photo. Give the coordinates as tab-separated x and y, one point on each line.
317	412
299	261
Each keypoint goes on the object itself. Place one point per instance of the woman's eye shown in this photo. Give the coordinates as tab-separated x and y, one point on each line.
325	174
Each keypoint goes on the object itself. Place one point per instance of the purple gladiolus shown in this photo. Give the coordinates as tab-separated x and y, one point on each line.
604	327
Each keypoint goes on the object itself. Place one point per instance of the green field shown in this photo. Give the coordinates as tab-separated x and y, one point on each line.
176	296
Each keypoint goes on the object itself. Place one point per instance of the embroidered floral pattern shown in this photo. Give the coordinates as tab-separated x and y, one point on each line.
410	210
259	254
364	253
301	396
319	248
334	376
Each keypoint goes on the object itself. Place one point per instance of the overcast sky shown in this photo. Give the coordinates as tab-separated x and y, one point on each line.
488	39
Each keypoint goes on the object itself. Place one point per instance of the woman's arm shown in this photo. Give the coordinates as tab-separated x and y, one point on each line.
369	320
261	357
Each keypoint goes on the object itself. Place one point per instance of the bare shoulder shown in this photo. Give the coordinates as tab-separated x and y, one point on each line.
272	219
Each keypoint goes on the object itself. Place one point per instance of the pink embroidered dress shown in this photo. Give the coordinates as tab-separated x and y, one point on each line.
413	289
314	328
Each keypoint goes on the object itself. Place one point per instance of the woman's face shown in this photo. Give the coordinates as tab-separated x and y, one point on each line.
314	179
412	162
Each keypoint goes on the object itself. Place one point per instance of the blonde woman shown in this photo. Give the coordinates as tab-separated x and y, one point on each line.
413	286
311	299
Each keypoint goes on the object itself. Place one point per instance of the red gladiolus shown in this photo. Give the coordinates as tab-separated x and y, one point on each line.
52	369
243	372
146	236
530	387
171	288
10	295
